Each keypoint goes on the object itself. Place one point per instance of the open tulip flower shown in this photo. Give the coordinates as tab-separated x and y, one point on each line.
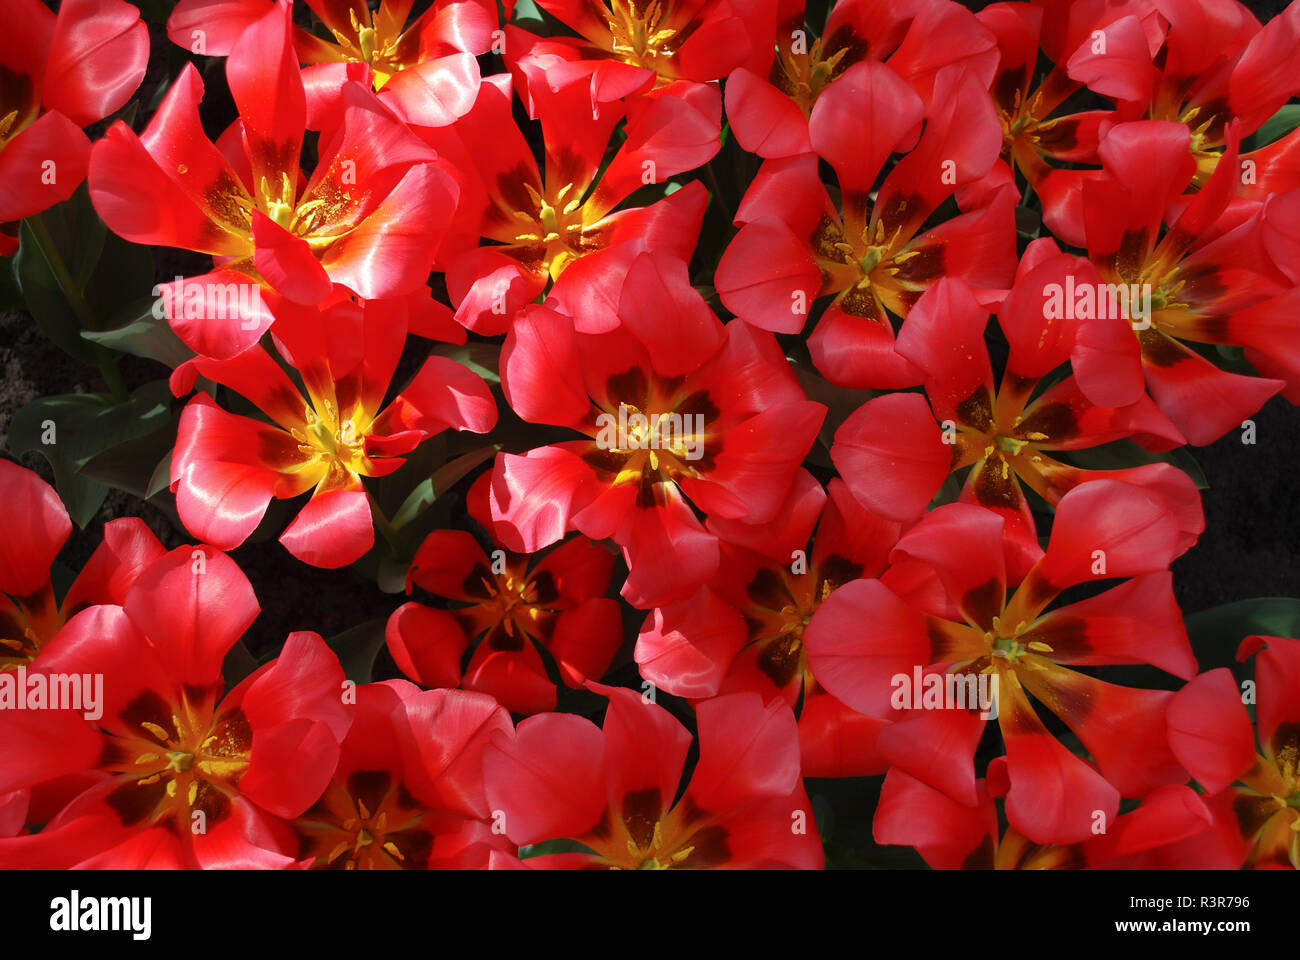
187	777
971	625
722	426
30	612
1254	795
770	97
565	216
370	217
611	789
407	793
907	449
228	467
872	254
745	630
514	607
62	72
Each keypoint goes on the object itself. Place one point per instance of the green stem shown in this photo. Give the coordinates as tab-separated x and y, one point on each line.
104	359
390	533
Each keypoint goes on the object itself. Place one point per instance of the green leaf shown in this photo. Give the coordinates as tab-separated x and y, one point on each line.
144	336
483	358
1125	453
1217	632
443	479
72	430
54	315
1274	128
132	464
357	648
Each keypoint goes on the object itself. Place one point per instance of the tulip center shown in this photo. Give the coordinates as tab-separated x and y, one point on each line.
368	821
178	761
637	32
332	440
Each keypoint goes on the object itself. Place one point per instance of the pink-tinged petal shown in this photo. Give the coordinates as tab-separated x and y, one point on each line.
669	554
450	563
193	604
266	83
1055	796
1168	815
97	59
667	133
1136	622
1210	732
944	337
443	394
291	765
764	120
1277	678
788	191
489	288
585	639
548	779
687	647
323	86
426	644
750	477
768	277
1203	401
449	732
949	835
246	839
1124	69
961	143
304	682
333	529
37	530
1261	79
788	531
1122	728
98	641
1041	343
1270	331
939	36
579	569
935	746
129	547
1067	420
43	744
964	545
155	189
434	92
288	263
891	454
864	116
13	812
835	741
851	531
41	166
645	750
219	314
534	495
220	499
662	310
217	24
858	352
748	751
541	369
1108	528
391	252
857	665
515	676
